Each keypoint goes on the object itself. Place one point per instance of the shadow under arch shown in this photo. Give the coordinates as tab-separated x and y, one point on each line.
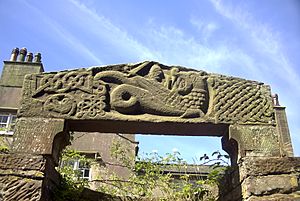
231	147
61	140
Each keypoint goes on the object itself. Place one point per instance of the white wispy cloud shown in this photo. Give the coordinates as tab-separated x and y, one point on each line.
176	46
205	28
267	42
102	27
74	42
64	35
166	44
265	39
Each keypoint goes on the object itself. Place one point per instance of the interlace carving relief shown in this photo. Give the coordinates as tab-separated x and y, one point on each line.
153	89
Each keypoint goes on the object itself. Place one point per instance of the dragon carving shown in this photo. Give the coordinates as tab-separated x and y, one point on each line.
159	92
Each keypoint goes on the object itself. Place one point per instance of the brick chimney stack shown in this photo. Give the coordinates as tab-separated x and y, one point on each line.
21	63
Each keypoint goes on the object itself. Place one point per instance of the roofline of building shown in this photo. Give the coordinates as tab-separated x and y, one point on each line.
8	108
26	63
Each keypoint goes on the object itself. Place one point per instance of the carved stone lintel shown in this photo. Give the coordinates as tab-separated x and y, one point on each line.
146	90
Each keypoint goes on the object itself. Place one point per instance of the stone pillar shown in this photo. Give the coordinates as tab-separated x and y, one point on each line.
262	179
251	140
246	143
283	131
28	172
37	136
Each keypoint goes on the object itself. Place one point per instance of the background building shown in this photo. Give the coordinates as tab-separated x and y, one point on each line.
11	82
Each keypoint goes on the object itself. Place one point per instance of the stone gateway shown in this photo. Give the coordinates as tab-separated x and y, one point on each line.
153	98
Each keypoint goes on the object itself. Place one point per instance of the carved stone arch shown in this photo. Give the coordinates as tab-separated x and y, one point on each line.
146	97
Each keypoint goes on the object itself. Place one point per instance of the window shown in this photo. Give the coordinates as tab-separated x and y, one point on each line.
85	169
3	121
7	123
82	167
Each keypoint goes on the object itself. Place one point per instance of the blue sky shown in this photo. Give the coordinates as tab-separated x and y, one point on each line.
256	40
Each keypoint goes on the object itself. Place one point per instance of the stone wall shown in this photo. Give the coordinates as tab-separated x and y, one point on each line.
262	179
26	177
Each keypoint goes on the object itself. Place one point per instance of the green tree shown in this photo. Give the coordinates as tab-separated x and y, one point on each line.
4	145
71	183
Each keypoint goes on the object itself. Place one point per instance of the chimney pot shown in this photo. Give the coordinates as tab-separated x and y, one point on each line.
14	54
23	53
29	57
37	58
276	100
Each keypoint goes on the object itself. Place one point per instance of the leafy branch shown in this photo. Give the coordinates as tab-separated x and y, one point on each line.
150	176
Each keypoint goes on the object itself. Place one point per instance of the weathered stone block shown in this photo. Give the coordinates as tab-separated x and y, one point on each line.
146	91
253	166
266	185
22	162
36	135
18	188
254	140
21	177
276	197
27	177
